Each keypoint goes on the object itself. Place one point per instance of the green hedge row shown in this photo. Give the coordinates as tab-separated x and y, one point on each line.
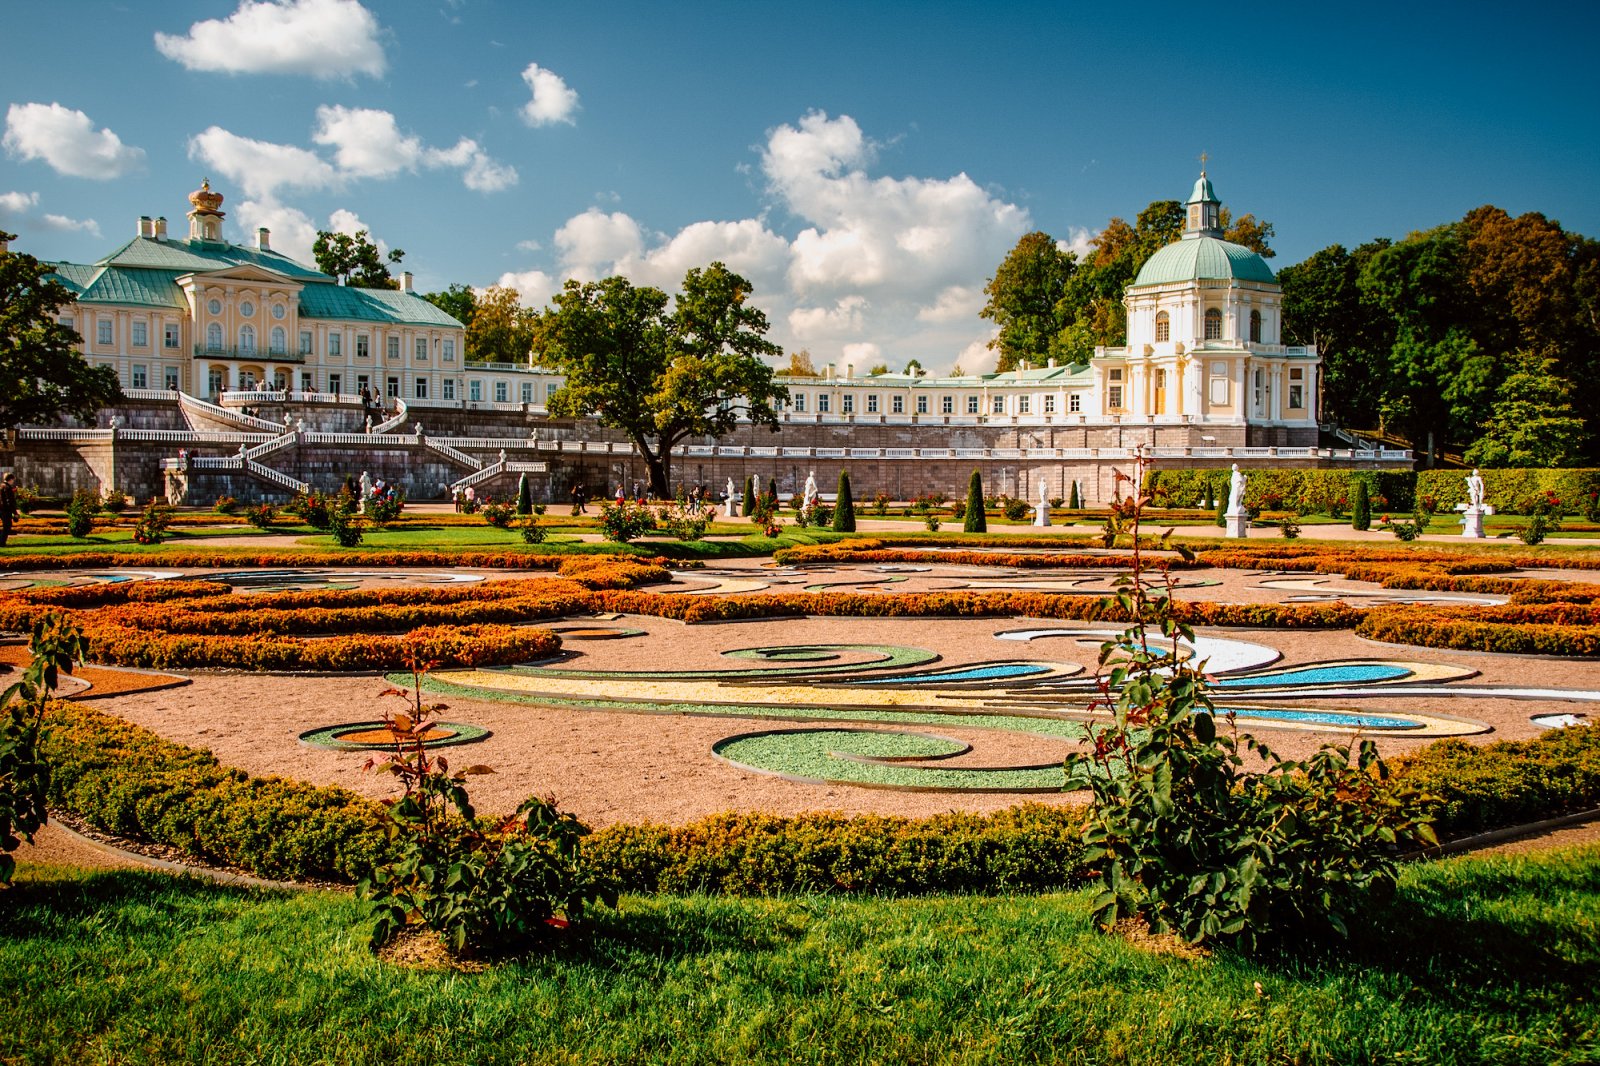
126	780
1306	491
1507	490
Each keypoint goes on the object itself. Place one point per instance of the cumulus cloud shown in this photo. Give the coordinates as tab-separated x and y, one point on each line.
320	38
1080	242
20	209
366	143
260	168
67	140
552	100
534	287
863	355
593	243
293	232
955	303
841	320
480	173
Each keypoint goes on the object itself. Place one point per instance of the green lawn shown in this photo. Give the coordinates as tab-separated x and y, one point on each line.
1477	961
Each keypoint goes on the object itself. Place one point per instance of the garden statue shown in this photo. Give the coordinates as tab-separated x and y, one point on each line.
1474	509
1041	513
366	490
809	497
1236	519
732	508
1475	489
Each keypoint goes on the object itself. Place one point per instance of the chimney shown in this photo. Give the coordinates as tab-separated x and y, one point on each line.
405	281
849	370
830	372
1052	363
161	228
263	240
147	227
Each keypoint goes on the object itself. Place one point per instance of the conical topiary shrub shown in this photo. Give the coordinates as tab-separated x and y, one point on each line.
747	506
1074	501
844	508
1210	498
1222	511
1361	509
975	520
524	496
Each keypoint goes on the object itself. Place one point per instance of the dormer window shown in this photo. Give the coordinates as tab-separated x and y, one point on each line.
1163	327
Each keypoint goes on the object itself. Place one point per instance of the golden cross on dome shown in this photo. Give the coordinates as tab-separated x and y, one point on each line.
1203	158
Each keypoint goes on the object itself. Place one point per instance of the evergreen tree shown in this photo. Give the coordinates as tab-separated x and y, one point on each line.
844	508
1361	509
1222	511
524	496
1075	502
976	521
749	503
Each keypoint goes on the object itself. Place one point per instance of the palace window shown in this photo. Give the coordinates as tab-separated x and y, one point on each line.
527	392
1074	403
217	379
363	346
305	342
897	405
171	375
922	405
394	347
872	404
999	406
822	403
247	339
280	341
308	382
800	403
1297	396
335	343
1024	405
422	389
972	405
475	390
103	331
1114	397
500	394
1163	327
1255	326
450	351
141	336
1115	373
1213	324
847	404
335	383
449	388
1050	403
550	388
422	349
393	387
171	335
947	405
140	379
214	338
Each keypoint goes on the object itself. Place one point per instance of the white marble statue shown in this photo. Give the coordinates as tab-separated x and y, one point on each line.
1475	489
809	497
1044	489
755	485
1236	482
366	490
1041	513
732	508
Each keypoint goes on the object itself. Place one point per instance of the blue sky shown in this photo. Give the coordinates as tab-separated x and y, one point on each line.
867	165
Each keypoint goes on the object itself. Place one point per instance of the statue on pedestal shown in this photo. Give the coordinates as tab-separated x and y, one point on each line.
808	497
1236	482
366	490
1475	489
1041	512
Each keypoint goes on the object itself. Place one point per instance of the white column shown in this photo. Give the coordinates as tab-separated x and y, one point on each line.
1242	398
1276	412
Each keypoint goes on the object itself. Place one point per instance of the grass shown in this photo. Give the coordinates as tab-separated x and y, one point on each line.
1478	960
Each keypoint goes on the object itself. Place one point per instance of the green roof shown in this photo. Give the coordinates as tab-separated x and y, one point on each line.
1203	193
1193	258
370	305
187	255
115	285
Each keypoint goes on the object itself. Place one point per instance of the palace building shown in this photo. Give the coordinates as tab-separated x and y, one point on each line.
247	357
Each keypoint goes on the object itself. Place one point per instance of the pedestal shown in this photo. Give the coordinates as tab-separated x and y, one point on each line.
1041	514
1238	526
1472	523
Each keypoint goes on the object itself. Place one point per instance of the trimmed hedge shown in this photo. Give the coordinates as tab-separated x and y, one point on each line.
1305	491
123	779
1506	490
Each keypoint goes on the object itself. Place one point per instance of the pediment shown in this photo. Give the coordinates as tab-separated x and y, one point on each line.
241	272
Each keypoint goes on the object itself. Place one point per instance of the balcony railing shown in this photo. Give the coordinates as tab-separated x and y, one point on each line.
259	355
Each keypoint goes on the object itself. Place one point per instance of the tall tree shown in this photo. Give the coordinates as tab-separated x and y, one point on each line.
1248	231
1323	306
42	374
501	329
458	301
800	365
1532	421
1025	299
355	260
662	376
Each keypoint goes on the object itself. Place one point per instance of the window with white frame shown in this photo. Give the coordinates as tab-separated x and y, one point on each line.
214	338
823	401
422	349
1024	405
141	335
363	346
139	378
335	343
1213	324
972	405
335	383
171	335
998	405
847	404
394	347
171	376
308	381
1114	397
1163	327
103	333
449	351
800	403
305	342
500	394
897	405
392	387
474	390
527	392
1049	403
422	388
550	388
1074	403
872	403
947	405
247	338
449	387
280	341
1255	326
922	405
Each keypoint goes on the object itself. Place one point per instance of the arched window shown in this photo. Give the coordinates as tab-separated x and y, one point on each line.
1255	326
280	341
214	338
1163	327
1213	325
247	339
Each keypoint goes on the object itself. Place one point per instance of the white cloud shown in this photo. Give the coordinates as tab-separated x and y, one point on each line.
841	320
1079	242
976	358
552	100
293	232
261	168
366	143
19	209
534	287
67	140
863	355
483	174
593	243
322	38
954	303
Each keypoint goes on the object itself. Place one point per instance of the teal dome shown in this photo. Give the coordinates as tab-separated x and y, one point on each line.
1194	258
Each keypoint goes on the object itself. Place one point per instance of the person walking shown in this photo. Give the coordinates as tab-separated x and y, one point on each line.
8	506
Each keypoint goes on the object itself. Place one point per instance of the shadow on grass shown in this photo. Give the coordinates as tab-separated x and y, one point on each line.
46	901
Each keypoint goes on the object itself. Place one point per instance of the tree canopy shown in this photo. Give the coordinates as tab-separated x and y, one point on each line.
661	375
42	374
460	302
500	330
355	260
800	365
1437	337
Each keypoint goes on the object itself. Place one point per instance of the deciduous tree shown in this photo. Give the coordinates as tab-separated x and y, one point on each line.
355	260
501	329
